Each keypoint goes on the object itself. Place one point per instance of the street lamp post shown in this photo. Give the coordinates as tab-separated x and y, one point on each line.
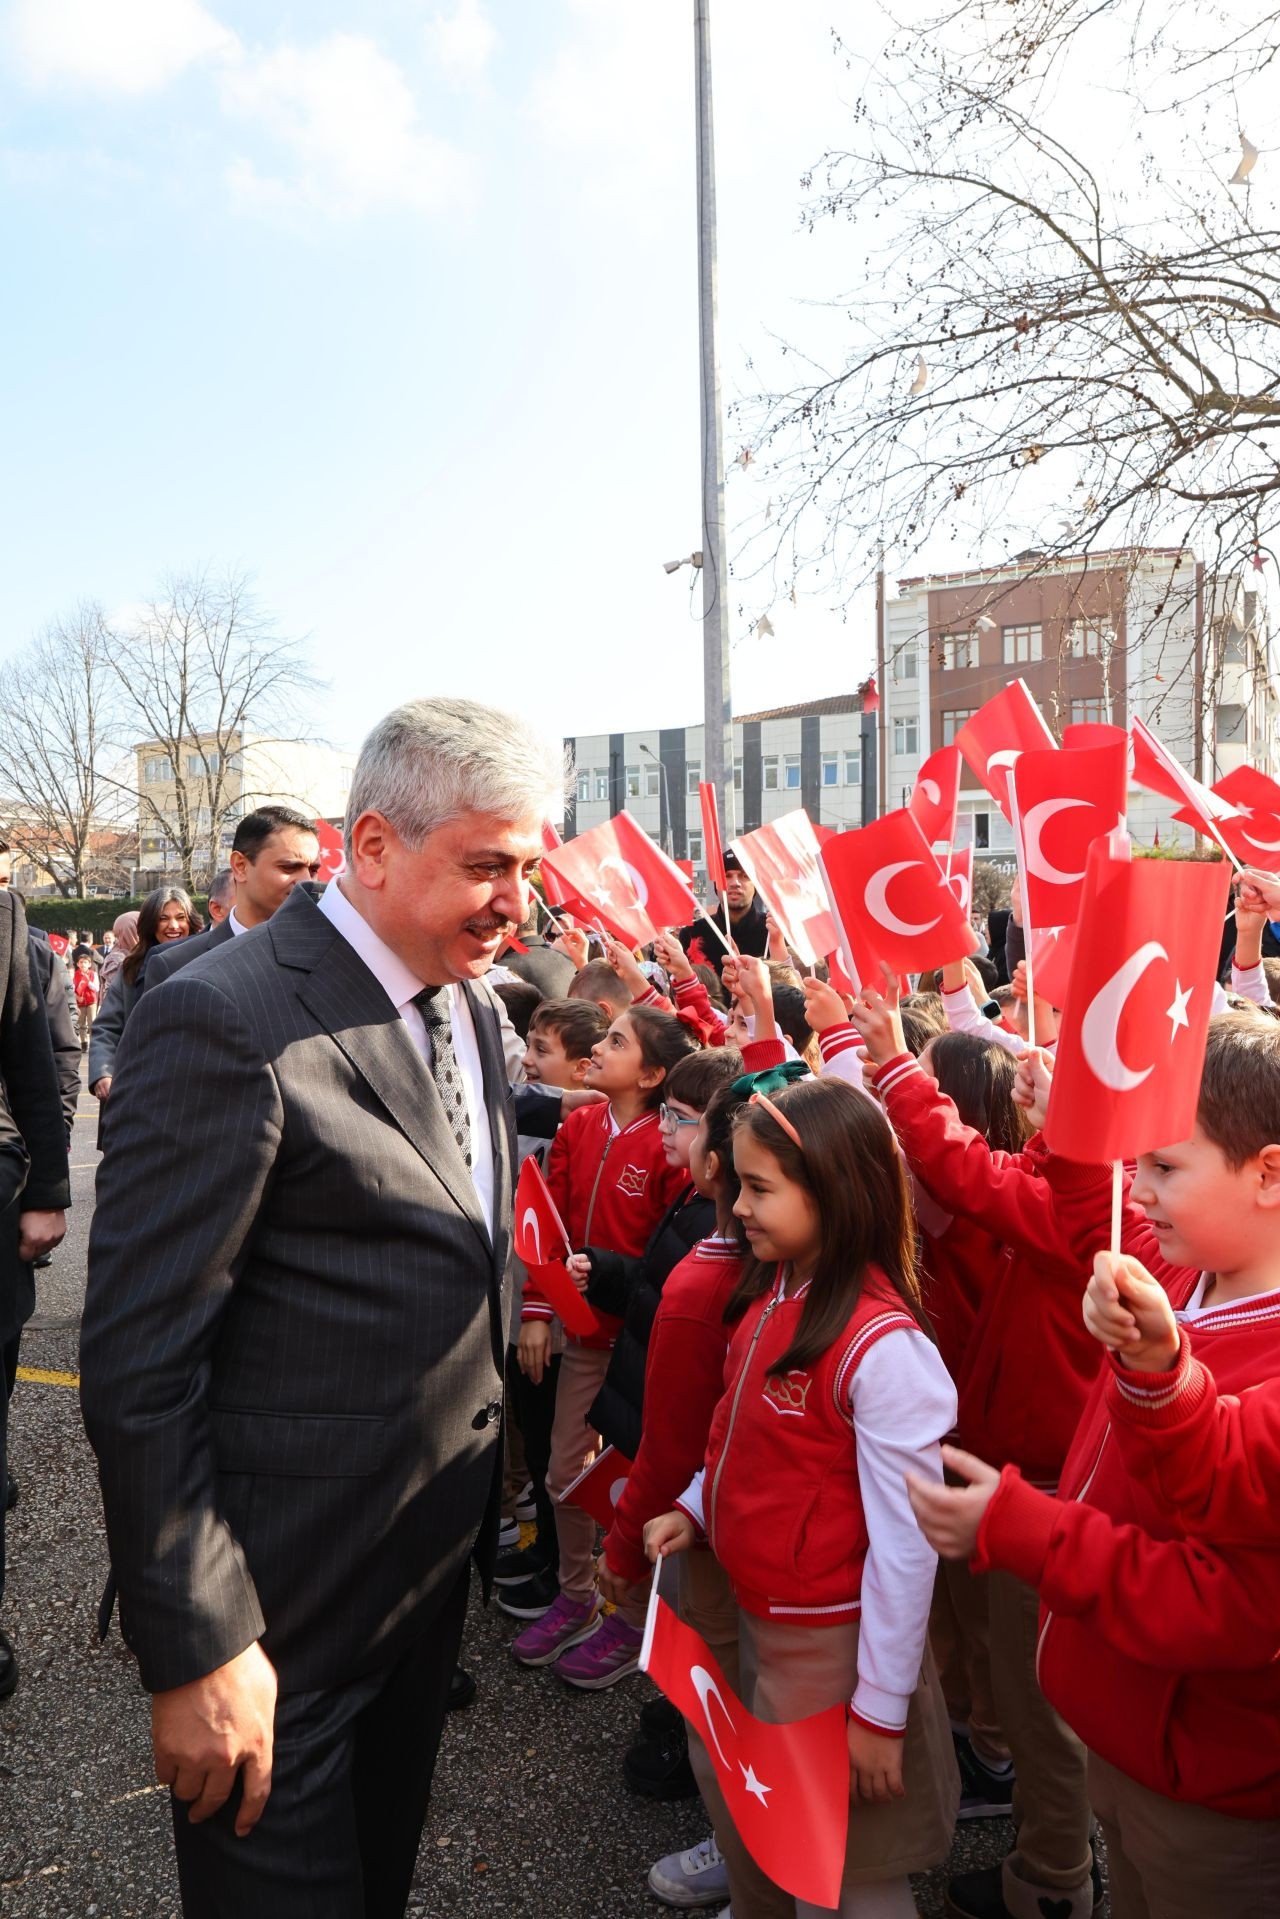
717	700
666	797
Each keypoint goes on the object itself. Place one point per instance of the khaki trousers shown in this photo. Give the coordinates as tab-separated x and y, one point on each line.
708	1605
959	1633
574	1445
1167	1860
1050	1794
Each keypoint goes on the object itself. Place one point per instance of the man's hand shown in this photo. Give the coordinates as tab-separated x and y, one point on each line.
875	1014
823	1006
1031	1084
875	1765
39	1233
949	1516
217	1728
1129	1312
533	1349
101	1087
575	1096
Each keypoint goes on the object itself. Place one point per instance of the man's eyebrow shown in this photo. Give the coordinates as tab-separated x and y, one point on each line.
501	856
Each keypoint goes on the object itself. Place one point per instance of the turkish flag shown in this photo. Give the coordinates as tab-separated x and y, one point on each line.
598	1487
786	1787
59	943
936	794
1253	835
960	877
1006	726
1064	801
333	856
539	1230
1155	768
713	851
781	860
892	899
1082	733
1051	957
1131	1049
622	875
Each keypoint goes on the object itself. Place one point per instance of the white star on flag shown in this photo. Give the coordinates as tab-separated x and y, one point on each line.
753	1784
1177	1013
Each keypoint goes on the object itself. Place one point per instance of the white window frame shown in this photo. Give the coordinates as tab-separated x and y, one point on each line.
906	735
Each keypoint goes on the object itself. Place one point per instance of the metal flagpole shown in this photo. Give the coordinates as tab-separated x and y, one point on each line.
717	698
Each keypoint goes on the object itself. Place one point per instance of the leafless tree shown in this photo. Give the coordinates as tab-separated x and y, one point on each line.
199	670
59	810
1065	335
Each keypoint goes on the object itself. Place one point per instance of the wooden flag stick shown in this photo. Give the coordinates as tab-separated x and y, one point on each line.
726	942
1117	1194
1028	933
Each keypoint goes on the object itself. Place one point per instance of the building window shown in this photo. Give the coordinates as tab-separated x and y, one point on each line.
1235	650
982	830
952	722
737	776
1088	640
769	773
633	782
957	650
792	765
695	848
584	788
1021	644
906	663
602	782
853	766
199	763
1089	712
906	736
692	776
831	769
1231	725
157	769
652	780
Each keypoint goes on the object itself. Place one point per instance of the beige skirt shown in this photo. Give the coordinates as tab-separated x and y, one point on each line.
789	1672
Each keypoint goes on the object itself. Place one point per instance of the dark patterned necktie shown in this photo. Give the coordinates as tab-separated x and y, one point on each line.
433	1003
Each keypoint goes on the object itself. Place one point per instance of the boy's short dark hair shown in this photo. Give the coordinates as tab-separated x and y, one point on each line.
597	980
695	1080
578	1023
521	999
1239	1106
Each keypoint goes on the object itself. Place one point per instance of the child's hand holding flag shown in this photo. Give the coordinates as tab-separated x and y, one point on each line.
1129	1313
1031	1085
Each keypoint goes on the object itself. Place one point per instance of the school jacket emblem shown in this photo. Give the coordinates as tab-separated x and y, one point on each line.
633	1179
787	1392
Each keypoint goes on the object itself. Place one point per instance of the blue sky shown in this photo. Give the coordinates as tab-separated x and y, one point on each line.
395	308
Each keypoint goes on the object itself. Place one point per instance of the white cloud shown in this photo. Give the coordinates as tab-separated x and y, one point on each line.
126	46
347	118
464	41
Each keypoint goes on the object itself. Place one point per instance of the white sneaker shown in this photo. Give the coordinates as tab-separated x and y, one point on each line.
695	1878
526	1505
508	1535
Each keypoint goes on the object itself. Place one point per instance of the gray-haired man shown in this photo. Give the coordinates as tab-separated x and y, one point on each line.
298	1417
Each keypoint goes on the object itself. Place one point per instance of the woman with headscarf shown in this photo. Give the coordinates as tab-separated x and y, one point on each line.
125	933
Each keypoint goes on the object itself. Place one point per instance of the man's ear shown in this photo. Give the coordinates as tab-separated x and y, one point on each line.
1267	1163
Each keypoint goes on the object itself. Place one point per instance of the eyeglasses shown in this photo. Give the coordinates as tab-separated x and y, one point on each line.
671	1121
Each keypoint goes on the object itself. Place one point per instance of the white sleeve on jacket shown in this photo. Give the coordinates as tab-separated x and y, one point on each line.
963	1017
903	1404
1250	982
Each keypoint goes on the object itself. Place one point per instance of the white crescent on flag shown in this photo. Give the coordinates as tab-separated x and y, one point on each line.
625	870
1034	821
932	791
876	896
1004	759
1099	1029
615	1490
1264	846
706	1687
959	884
529	1224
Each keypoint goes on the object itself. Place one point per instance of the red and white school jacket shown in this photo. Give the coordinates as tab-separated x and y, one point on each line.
1162	1652
803	1496
611	1186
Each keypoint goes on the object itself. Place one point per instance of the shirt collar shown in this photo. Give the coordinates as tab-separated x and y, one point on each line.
396	980
236	928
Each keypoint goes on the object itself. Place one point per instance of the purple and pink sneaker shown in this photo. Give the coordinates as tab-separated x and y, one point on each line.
566	1623
610	1654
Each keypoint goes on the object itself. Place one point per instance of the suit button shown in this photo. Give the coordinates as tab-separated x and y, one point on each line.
494	1411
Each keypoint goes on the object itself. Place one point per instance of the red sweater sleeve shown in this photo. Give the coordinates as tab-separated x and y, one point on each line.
1082	1200
1167	1603
998	1191
684	1378
1211	1461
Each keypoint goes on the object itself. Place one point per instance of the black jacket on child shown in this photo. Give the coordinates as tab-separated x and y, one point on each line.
631	1288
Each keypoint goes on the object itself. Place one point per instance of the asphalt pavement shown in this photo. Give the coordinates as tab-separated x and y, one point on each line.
530	1815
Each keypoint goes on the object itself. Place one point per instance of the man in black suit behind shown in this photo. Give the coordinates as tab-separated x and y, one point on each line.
273	850
298	1417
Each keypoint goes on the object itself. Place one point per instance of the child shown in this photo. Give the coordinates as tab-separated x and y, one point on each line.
832	1389
86	991
1164	1652
611	1184
562	1034
1025	1369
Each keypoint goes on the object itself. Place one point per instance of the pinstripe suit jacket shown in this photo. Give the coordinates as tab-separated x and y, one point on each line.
294	1334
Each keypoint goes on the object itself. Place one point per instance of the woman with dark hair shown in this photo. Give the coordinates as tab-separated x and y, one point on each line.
167	914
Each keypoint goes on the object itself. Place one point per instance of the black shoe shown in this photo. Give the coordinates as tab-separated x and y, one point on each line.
659	1716
45	1259
984	1794
531	1598
8	1666
659	1768
462	1690
519	1563
11	1494
980	1895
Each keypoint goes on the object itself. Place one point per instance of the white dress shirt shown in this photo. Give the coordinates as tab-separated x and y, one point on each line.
236	928
400	986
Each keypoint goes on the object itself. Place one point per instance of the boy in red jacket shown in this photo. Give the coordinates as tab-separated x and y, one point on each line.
1163	1650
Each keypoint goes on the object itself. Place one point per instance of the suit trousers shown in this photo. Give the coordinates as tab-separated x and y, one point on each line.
535	1411
351	1778
8	1378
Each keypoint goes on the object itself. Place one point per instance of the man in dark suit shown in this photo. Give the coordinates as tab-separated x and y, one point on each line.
298	1415
273	849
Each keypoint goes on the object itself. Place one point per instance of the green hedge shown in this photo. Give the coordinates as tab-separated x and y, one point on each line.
91	916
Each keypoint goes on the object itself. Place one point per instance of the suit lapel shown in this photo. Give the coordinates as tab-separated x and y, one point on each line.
352	1007
497	1098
